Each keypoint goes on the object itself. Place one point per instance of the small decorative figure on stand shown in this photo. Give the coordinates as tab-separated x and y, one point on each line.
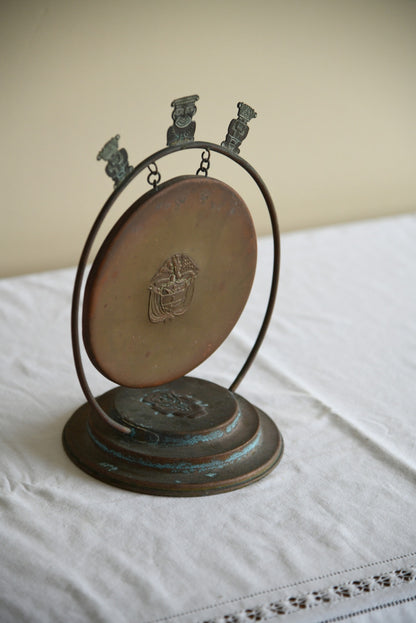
118	166
183	128
238	128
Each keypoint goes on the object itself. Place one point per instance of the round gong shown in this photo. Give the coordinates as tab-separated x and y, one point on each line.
169	282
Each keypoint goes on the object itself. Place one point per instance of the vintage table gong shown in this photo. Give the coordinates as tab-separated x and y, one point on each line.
165	289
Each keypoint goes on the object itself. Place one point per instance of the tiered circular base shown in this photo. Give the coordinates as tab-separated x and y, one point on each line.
189	437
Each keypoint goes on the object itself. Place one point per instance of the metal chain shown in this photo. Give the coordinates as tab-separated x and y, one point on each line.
154	176
205	163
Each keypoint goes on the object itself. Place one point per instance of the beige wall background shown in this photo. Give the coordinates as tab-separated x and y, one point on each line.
333	83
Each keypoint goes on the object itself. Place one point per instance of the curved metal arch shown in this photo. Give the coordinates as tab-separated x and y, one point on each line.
76	348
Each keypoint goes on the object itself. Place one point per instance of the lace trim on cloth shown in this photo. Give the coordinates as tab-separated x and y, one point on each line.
390	604
330	595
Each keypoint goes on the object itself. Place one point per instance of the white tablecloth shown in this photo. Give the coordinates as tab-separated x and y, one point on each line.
329	535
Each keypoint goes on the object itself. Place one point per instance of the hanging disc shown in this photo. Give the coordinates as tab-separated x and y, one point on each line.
169	282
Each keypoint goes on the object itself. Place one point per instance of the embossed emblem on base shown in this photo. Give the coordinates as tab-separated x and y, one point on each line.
172	288
172	404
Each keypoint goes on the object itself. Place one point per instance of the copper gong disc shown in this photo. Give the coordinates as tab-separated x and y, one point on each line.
169	282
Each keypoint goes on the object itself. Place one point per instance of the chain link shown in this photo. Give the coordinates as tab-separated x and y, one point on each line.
154	176
205	162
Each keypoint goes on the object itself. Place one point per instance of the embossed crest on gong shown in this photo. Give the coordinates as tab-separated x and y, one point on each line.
172	404
172	288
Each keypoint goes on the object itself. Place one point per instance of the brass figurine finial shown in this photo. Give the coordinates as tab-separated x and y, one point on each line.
238	128
183	128
118	166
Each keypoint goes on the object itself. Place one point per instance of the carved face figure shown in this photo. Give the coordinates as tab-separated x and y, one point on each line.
182	114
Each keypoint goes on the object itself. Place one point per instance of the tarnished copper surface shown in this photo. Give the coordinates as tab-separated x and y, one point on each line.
169	282
203	439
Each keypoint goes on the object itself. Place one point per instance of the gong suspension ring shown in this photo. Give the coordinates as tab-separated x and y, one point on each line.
205	163
150	163
154	176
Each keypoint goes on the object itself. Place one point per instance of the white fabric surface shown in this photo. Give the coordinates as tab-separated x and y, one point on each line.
336	373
